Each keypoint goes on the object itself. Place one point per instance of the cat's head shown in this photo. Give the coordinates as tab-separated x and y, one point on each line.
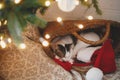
63	46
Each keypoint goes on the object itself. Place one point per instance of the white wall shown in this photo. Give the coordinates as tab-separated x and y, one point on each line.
110	9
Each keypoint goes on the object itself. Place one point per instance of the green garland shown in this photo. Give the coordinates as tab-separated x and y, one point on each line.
18	15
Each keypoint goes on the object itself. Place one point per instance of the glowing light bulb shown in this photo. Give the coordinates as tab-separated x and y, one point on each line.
3	44
59	19
22	46
0	23
90	17
45	43
47	3
1	5
1	37
17	1
77	2
9	40
56	0
85	0
47	36
5	22
80	26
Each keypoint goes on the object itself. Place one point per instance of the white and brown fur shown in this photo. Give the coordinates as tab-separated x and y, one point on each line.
64	47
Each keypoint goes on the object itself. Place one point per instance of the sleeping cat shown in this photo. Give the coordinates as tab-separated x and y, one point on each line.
63	47
69	48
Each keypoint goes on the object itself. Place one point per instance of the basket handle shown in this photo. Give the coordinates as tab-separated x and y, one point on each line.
94	42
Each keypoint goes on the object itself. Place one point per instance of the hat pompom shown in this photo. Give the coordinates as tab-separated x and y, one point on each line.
94	74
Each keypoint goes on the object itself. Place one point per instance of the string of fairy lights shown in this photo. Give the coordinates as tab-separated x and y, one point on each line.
4	37
6	40
44	41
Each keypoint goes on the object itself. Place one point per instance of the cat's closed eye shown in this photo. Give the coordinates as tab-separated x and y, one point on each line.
62	49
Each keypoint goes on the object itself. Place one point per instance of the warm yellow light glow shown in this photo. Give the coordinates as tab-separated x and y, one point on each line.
1	37
9	40
90	17
77	2
5	22
3	44
45	43
0	23
85	0
22	46
59	19
47	36
1	5
17	1
47	3
80	26
56	0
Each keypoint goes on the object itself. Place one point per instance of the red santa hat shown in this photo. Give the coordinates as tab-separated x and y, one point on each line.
104	58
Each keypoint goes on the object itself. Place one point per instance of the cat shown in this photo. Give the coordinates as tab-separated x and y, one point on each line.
63	46
69	48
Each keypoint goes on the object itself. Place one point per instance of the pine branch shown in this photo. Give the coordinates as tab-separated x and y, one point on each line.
36	21
95	5
15	28
85	3
18	15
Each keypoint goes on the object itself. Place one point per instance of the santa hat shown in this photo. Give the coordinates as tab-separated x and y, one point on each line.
104	58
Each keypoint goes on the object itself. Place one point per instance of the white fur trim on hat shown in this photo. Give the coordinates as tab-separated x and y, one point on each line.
89	36
85	54
94	74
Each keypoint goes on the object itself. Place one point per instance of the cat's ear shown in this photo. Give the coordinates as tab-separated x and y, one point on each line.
68	46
